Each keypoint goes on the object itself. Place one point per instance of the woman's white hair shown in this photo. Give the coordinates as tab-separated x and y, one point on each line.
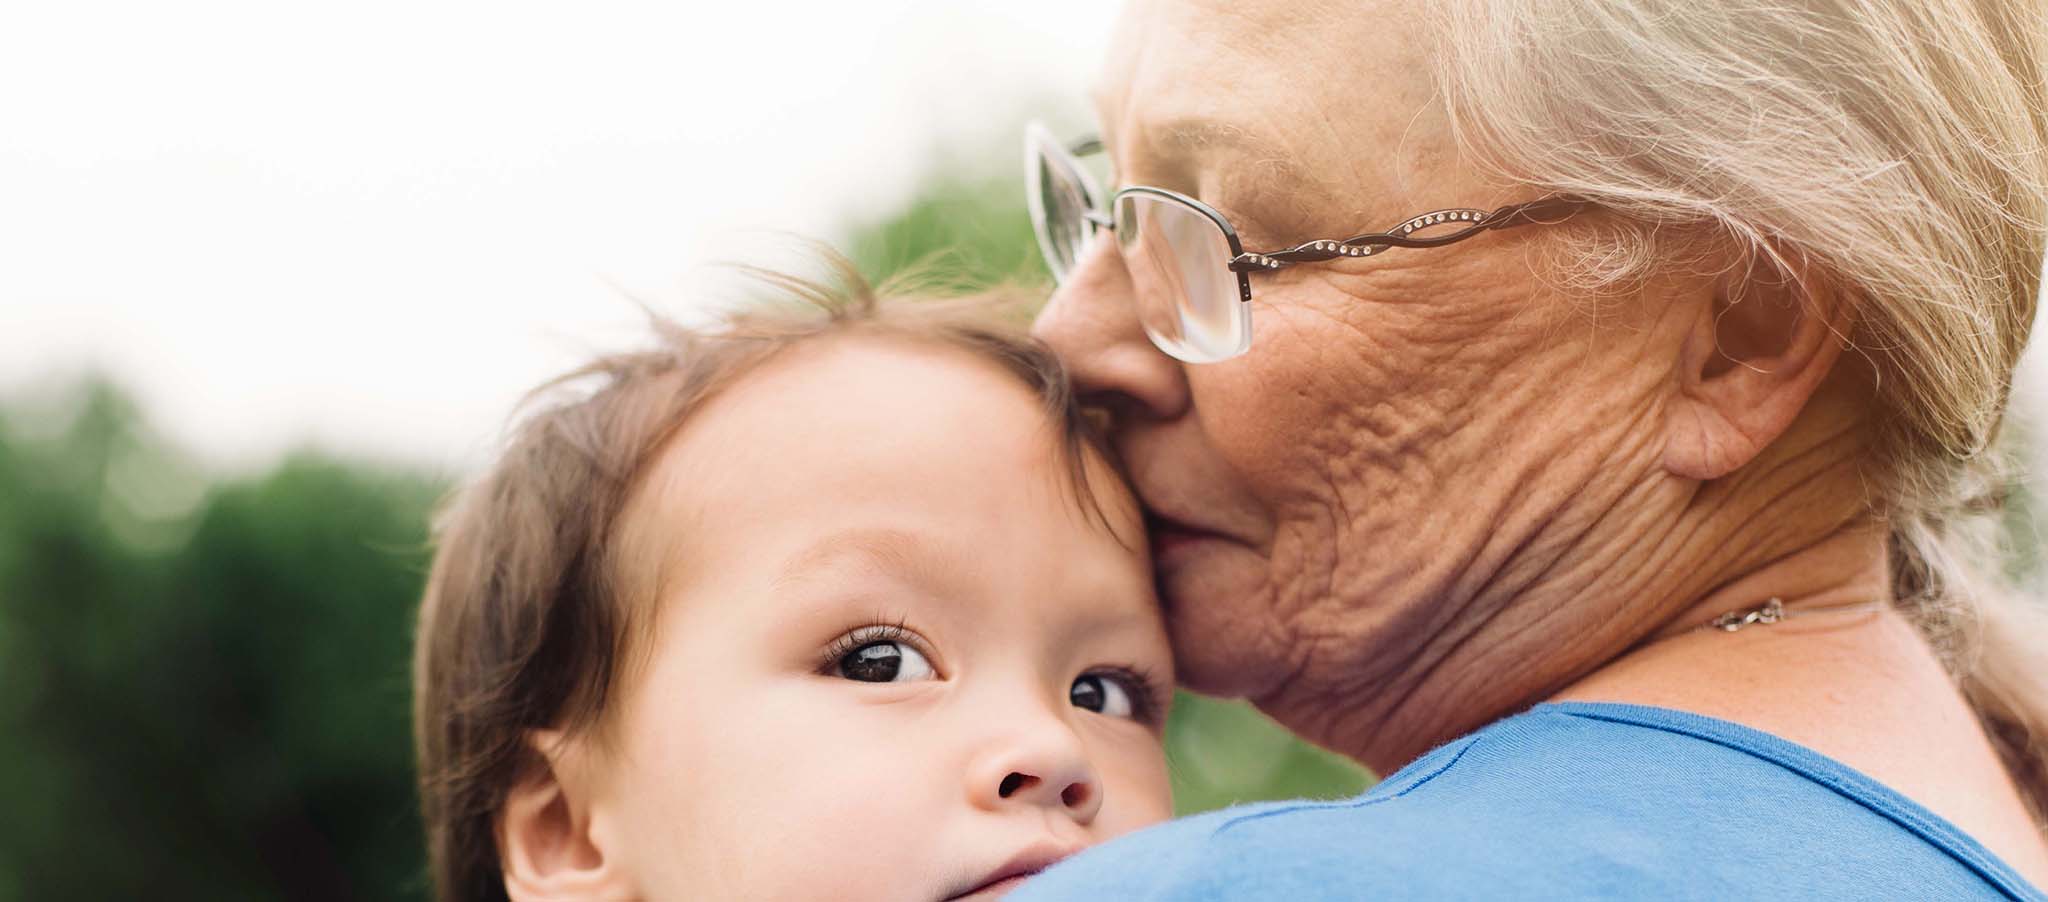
1900	144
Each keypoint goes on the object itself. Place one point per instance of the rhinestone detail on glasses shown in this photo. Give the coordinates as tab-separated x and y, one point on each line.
1469	222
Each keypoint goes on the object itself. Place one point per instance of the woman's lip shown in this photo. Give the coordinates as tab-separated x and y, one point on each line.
1157	522
1168	534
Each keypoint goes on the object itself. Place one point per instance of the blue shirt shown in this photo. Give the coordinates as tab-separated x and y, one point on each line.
1567	801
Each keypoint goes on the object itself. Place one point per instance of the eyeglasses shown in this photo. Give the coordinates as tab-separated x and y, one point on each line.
1183	256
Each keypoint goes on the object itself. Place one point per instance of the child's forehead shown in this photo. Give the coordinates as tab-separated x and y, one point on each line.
875	389
934	429
874	463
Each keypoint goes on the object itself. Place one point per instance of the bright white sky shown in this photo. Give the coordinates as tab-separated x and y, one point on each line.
372	225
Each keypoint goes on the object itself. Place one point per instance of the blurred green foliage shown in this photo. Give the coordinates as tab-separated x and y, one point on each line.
204	681
966	230
203	687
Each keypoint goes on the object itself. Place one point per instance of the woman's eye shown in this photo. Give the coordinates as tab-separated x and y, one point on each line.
886	661
1103	695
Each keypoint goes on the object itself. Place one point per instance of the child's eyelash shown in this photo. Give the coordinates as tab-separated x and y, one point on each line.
1147	696
854	639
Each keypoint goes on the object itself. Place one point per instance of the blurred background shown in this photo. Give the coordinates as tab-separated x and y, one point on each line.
271	279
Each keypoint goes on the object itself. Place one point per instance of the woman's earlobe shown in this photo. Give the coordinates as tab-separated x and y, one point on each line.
548	844
1752	361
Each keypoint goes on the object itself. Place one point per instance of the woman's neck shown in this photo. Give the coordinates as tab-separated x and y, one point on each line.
1848	566
1847	684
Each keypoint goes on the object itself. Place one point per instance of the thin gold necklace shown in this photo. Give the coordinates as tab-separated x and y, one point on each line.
1774	611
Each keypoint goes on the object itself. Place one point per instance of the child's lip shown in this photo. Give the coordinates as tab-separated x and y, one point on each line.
1023	864
994	891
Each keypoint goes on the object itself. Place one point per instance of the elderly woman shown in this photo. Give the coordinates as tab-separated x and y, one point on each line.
1578	410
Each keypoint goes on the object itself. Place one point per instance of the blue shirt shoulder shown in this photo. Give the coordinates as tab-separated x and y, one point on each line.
1567	801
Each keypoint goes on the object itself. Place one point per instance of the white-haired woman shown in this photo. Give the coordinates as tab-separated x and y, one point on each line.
1578	410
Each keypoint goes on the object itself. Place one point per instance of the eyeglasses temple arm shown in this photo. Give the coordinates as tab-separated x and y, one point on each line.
1543	211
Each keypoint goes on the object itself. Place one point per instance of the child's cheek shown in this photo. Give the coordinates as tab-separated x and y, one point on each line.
1140	790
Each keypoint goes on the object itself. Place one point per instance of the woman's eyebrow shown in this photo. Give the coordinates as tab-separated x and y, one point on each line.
1179	143
1166	146
1194	134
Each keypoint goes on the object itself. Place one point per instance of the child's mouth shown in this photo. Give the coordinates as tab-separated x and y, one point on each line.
996	890
1012	874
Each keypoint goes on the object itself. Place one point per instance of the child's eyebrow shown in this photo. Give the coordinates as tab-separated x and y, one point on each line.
893	549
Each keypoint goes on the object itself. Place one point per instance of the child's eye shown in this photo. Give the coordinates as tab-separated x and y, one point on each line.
1103	694
886	661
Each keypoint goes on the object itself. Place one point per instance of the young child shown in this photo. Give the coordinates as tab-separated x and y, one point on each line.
843	604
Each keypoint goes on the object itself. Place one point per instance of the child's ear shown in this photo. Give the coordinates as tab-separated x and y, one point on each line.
549	843
1758	351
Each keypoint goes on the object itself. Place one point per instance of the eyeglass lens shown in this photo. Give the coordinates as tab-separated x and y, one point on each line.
1178	258
1179	265
1060	202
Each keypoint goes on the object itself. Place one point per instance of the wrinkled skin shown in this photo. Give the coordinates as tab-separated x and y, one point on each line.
1414	440
1441	488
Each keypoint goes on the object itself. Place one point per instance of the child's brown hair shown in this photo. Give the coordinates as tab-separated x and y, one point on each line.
524	625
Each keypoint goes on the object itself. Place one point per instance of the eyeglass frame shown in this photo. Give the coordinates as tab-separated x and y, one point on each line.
1040	143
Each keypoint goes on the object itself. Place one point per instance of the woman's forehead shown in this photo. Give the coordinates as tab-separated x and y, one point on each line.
1307	101
1297	90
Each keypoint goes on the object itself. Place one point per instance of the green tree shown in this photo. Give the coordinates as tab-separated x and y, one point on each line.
209	702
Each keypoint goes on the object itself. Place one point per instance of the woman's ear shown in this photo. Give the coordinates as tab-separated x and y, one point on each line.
550	841
1755	355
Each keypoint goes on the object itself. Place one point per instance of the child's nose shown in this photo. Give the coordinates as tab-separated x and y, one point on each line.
1045	767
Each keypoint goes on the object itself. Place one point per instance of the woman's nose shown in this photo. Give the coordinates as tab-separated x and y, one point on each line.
1042	767
1092	322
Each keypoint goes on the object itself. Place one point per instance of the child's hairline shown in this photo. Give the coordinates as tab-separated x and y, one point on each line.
1088	463
520	546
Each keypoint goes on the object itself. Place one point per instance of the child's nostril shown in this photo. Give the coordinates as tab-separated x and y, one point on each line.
1075	796
1014	782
